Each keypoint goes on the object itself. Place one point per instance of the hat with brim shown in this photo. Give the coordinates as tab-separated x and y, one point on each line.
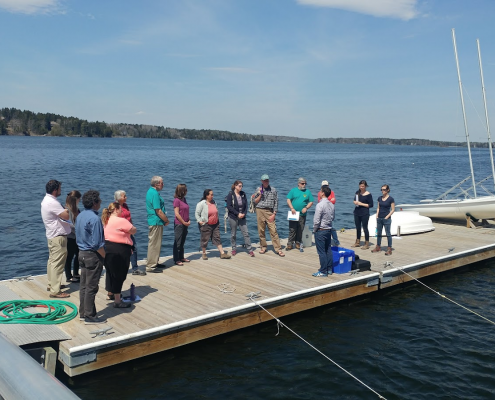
264	177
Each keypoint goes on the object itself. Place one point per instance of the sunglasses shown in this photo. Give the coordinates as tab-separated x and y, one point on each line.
302	183
384	190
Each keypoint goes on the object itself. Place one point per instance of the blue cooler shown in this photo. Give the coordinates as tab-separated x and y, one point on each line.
342	260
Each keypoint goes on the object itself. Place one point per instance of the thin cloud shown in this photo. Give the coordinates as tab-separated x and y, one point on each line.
131	42
31	6
402	9
233	69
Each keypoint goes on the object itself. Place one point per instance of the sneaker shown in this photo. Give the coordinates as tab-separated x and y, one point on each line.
204	257
154	270
94	320
251	253
121	305
81	318
298	246
138	272
320	275
288	247
225	256
234	252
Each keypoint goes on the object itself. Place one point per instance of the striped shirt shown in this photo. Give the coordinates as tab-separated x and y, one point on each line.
269	199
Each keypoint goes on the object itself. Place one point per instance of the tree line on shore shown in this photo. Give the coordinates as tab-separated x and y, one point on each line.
17	122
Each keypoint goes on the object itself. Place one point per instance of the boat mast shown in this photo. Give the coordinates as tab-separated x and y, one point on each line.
464	112
486	111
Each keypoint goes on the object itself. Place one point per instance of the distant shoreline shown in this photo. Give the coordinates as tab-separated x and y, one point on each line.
290	139
15	122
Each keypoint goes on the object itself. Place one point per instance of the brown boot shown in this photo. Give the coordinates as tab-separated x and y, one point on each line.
357	244
366	245
377	249
389	251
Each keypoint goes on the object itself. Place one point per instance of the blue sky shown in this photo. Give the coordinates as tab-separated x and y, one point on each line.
307	68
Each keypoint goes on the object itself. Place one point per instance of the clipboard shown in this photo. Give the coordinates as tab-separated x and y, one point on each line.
293	217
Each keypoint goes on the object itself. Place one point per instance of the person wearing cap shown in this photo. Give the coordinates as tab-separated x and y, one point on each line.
299	200
266	201
331	199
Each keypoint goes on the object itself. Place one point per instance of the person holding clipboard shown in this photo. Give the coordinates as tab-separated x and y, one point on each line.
299	201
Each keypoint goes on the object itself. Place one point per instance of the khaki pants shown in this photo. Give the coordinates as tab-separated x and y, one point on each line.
57	248
155	234
262	217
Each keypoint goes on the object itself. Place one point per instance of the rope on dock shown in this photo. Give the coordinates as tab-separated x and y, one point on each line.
445	297
226	288
55	312
251	296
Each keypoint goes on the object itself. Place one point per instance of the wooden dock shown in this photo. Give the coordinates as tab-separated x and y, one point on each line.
201	299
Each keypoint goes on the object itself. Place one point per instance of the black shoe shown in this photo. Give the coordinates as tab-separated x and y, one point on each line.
122	305
94	320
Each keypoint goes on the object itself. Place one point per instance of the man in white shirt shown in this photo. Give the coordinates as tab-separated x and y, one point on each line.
57	229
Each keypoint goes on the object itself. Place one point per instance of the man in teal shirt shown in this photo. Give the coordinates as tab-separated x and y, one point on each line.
299	200
157	218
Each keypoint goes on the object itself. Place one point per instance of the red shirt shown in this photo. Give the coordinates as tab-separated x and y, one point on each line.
125	212
212	214
331	199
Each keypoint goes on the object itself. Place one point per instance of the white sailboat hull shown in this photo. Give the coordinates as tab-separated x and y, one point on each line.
410	222
479	208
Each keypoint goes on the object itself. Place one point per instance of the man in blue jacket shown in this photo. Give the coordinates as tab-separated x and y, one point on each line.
91	241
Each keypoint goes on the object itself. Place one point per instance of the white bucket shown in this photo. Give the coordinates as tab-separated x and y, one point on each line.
307	237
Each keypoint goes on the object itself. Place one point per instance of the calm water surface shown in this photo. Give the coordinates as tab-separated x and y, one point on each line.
407	344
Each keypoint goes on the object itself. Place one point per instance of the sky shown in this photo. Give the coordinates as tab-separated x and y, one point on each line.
305	68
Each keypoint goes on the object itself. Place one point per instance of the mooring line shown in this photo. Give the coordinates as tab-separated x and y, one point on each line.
251	297
445	297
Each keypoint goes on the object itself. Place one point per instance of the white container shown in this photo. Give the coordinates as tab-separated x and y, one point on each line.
307	237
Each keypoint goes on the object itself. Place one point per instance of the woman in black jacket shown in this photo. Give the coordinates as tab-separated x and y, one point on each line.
237	207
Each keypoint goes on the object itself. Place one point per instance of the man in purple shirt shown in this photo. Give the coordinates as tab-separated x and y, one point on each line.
322	228
90	240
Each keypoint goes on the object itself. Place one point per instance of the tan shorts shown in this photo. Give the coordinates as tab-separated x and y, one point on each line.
210	232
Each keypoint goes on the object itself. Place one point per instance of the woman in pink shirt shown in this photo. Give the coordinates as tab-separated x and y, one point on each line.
118	245
207	217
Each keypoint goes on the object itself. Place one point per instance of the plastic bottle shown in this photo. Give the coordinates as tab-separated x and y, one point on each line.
133	292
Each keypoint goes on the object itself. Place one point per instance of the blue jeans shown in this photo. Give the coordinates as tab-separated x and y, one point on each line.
335	237
322	240
380	223
134	254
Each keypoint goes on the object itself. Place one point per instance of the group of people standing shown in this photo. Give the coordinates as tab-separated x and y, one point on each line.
386	207
81	243
89	242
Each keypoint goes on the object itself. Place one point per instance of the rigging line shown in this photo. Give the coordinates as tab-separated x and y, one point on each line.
475	109
445	297
280	323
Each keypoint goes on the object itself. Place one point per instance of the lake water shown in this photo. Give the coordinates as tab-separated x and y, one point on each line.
407	344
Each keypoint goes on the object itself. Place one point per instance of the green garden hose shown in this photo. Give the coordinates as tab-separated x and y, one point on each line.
55	312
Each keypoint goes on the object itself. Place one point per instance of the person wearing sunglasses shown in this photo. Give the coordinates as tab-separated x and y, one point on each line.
386	207
299	200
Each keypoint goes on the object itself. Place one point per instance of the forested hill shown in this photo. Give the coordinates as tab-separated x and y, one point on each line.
28	123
